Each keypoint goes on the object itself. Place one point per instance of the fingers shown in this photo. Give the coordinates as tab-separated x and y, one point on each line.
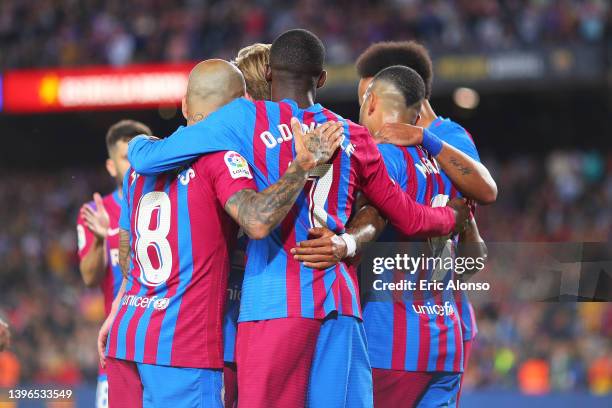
98	200
316	258
319	265
400	134
321	250
87	209
314	243
296	128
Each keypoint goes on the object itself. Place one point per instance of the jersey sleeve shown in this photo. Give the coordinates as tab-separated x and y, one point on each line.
84	236
223	129
403	212
124	218
229	172
459	138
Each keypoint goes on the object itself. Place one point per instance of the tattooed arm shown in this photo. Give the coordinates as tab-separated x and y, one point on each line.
124	251
258	213
469	176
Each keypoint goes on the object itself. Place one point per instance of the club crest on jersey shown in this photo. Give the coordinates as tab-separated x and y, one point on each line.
237	165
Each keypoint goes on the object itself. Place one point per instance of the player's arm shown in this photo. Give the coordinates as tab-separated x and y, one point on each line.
258	213
92	230
469	176
399	207
217	132
124	251
471	245
324	248
125	226
5	336
103	333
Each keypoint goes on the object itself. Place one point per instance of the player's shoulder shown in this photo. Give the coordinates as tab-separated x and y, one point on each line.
232	110
446	127
356	131
390	150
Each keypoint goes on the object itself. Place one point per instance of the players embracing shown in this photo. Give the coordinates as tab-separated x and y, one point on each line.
301	340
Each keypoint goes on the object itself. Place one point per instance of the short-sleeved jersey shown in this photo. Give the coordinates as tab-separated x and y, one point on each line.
112	278
180	240
456	136
276	285
415	330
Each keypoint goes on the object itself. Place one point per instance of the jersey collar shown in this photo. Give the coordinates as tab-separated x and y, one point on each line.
314	108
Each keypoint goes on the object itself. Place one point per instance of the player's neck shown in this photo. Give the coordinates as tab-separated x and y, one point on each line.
427	114
304	97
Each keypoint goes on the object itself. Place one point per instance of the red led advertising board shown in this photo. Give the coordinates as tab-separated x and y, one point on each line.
92	88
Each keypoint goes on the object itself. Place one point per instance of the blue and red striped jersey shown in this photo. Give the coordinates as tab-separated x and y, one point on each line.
232	306
415	330
180	239
276	285
113	277
456	136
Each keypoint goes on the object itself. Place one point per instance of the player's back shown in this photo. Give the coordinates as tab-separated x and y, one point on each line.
180	238
326	200
416	329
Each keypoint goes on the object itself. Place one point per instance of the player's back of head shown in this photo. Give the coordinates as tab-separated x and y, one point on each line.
404	80
253	61
212	83
125	130
214	79
382	55
298	52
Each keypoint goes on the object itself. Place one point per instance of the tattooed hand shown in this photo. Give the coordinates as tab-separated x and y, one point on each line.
317	146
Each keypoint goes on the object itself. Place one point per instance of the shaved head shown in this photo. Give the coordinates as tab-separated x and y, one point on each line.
395	95
212	84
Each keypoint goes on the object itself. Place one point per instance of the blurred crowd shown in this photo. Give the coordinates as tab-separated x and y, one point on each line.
535	347
117	32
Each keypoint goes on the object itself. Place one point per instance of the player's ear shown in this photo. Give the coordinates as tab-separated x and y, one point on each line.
373	102
322	79
110	167
184	107
268	73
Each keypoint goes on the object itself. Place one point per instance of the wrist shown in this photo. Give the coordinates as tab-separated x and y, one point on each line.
99	239
432	143
303	165
351	244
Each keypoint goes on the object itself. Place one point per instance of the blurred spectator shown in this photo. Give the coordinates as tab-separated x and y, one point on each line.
117	32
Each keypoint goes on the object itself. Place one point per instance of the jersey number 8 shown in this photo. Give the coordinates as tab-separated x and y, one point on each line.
153	252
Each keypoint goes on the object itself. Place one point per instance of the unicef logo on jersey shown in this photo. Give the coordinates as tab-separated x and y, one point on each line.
161	303
146	302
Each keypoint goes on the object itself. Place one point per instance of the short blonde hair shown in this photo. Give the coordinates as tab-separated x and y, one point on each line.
252	61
